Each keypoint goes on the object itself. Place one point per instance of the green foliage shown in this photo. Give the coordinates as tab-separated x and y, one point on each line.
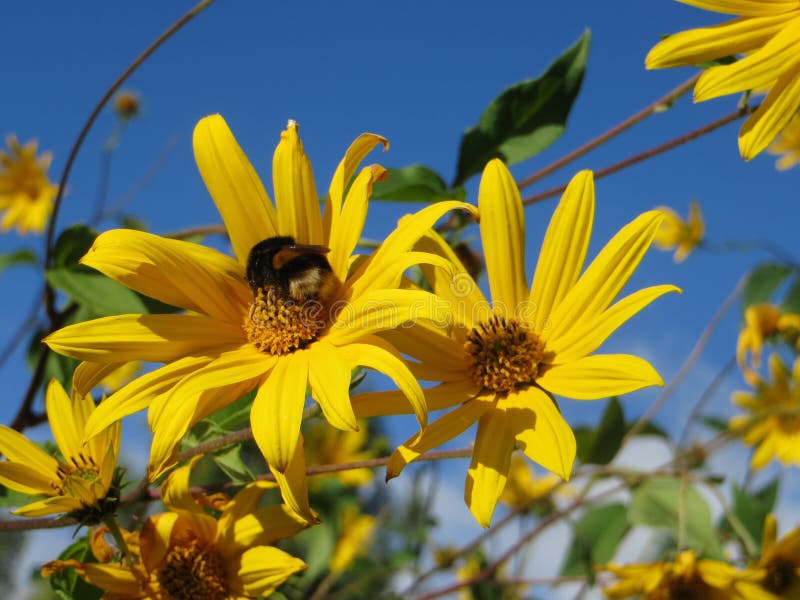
675	505
791	301
596	536
764	280
527	117
600	445
751	508
20	257
415	183
66	583
72	244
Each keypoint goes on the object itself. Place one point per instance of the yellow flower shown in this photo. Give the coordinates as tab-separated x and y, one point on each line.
504	360
354	539
773	422
240	335
523	487
82	483
682	235
687	577
26	193
776	576
787	146
763	321
767	33
186	553
325	445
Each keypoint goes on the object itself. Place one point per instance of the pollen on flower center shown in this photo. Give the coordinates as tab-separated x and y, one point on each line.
280	326
780	576
505	354
193	571
83	468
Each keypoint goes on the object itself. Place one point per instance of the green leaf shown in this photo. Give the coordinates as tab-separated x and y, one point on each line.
20	257
752	508
715	423
601	445
235	415
66	583
12	498
72	244
132	222
791	302
596	537
95	291
659	501
230	461
763	282
527	117
415	183
319	542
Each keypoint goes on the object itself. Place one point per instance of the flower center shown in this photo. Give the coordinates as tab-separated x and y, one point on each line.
505	354
83	469
780	576
277	325
193	571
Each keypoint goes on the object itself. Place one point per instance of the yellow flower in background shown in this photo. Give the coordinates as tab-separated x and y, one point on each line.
524	487
503	361
776	576
243	332
762	322
82	484
355	535
127	105
187	553
787	146
686	577
325	445
675	233
767	33
26	192
773	420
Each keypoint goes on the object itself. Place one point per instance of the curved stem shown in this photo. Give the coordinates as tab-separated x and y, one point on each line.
707	394
648	110
655	151
119	539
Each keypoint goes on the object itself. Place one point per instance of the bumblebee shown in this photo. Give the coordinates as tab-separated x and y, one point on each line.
292	271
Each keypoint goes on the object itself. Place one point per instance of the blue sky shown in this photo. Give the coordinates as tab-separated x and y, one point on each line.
418	73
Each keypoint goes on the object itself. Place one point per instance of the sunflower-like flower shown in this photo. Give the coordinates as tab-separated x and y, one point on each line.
767	34
502	362
82	484
787	146
187	553
26	192
675	233
773	420
686	577
355	534
764	322
776	576
246	328
523	487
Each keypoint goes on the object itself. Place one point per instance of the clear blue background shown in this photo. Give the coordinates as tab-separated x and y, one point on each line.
418	73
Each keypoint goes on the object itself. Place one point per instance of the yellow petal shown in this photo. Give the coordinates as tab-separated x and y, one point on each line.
17	448
179	273
756	70
587	336
293	483
442	430
445	395
234	186
605	276
329	380
748	8
347	225
154	338
138	394
488	470
379	355
113	578
261	526
175	491
543	434
564	247
599	376
262	569
428	343
775	112
503	236
27	479
357	151
155	538
708	43
295	191
67	433
278	409
88	375
49	506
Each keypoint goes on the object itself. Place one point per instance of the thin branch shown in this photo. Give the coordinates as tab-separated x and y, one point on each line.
648	110
642	156
707	394
201	230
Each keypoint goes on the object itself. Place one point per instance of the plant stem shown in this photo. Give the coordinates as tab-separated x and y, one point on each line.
116	533
648	110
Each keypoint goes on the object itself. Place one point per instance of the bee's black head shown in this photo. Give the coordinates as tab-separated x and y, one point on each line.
261	269
289	269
